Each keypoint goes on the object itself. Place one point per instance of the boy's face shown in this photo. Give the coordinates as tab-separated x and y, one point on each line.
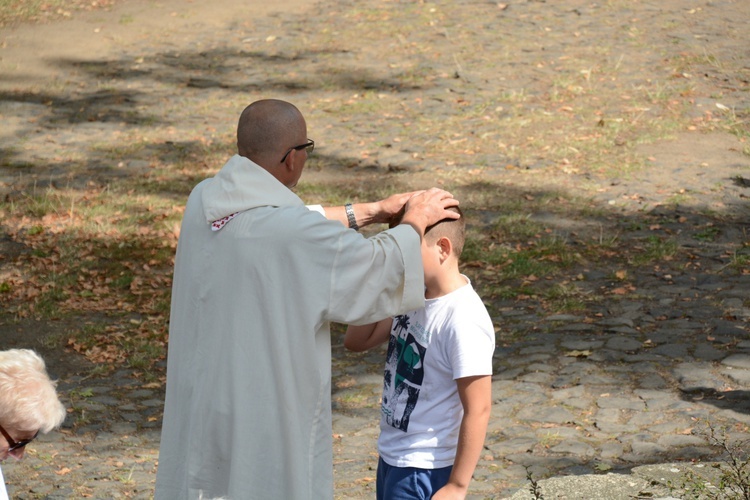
430	258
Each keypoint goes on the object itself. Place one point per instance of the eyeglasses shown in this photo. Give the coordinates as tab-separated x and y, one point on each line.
15	445
309	146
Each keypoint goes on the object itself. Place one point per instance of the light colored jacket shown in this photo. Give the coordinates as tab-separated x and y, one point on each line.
248	399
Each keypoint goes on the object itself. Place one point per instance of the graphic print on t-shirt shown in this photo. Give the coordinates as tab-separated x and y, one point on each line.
404	371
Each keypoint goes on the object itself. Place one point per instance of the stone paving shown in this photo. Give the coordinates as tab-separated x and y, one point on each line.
633	381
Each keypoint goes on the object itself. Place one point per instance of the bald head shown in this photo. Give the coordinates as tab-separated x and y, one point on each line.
267	128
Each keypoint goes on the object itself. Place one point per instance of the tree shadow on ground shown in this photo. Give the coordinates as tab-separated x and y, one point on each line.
737	400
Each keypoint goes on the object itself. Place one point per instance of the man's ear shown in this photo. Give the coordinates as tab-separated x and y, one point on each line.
289	160
287	168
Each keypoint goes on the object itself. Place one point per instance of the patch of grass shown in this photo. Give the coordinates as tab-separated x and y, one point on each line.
77	398
654	249
336	194
89	332
658	91
39	203
737	122
37	229
708	233
687	61
47	305
144	354
727	478
739	262
36	11
84	393
550	439
100	370
565	297
477	249
53	341
352	399
515	226
526	264
124	280
139	344
129	148
602	467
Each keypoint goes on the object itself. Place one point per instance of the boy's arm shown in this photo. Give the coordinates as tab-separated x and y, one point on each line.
476	398
362	338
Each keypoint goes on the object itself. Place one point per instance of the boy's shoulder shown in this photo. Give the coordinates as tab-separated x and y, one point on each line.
467	295
467	308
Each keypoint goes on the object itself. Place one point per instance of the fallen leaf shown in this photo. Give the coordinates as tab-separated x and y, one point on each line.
578	354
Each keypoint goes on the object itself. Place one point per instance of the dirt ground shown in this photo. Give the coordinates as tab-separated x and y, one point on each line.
76	94
515	94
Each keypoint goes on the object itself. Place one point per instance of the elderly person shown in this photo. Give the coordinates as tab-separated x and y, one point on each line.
28	404
258	278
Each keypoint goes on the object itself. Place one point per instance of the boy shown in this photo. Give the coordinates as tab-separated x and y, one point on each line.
437	387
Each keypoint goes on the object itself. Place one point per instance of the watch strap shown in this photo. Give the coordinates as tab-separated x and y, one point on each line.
350	216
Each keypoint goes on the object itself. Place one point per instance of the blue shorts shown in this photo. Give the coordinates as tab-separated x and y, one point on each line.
409	483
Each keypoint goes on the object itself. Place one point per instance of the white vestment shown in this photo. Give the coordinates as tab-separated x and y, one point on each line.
3	491
248	400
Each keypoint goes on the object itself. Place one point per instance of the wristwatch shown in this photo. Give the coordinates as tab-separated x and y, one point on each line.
350	216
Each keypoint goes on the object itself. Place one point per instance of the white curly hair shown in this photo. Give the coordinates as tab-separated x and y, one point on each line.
28	398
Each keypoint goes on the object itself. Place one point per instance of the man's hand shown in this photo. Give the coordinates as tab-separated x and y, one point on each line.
427	208
392	207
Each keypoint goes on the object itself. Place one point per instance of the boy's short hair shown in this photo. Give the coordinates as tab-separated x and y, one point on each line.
453	229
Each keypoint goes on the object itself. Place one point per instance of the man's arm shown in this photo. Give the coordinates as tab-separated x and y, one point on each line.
371	213
364	337
420	209
476	398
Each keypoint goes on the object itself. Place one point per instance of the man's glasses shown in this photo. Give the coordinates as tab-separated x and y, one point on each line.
309	146
15	445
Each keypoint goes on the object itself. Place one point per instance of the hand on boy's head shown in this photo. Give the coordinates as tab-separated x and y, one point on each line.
396	219
394	204
432	204
392	208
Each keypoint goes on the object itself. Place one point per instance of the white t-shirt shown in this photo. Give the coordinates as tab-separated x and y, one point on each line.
452	337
